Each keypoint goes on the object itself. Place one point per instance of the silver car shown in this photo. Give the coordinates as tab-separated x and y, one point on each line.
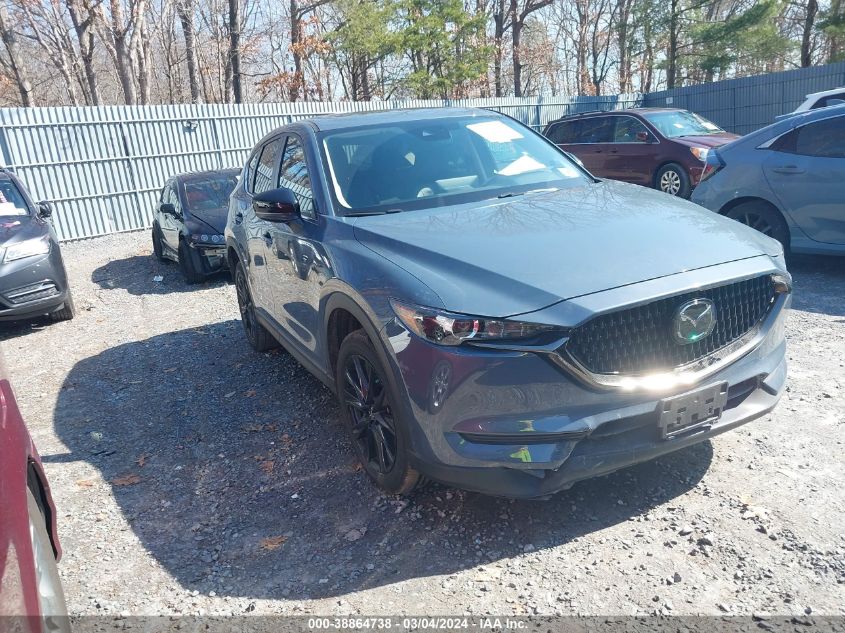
786	180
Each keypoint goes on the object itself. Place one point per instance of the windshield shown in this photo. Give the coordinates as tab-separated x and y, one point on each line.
11	200
675	124
425	163
209	193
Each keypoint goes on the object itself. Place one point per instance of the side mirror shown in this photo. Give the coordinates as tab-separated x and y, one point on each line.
644	137
45	210
167	208
276	205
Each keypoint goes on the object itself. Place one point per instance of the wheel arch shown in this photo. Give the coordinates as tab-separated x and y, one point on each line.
733	204
36	483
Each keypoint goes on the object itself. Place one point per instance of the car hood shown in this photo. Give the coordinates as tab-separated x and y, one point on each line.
214	219
707	140
17	228
509	257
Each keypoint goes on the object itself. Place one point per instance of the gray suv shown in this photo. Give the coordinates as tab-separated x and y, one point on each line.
489	314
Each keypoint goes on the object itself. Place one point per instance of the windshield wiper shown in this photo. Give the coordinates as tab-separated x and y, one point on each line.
359	214
514	194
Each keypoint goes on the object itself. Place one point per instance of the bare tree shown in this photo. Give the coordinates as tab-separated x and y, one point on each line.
82	18
807	34
121	36
185	11
519	11
16	60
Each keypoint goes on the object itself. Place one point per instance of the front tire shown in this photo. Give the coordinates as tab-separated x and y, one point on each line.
51	597
188	265
158	250
674	180
259	338
368	403
761	217
66	312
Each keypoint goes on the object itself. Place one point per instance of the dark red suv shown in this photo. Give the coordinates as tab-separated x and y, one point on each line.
664	148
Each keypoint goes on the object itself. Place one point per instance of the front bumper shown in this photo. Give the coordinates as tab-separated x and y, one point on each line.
515	424
32	287
208	258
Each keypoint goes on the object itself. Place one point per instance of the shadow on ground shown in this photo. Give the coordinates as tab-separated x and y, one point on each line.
135	274
819	284
232	447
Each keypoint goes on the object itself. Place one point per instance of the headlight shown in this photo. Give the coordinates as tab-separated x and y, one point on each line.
29	248
448	328
206	238
699	152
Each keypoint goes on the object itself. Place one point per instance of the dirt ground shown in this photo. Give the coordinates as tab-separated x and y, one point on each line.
195	476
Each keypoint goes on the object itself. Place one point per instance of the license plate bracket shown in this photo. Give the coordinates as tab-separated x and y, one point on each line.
691	411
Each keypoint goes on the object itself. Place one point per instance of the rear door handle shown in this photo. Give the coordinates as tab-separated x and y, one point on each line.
239	217
268	237
788	169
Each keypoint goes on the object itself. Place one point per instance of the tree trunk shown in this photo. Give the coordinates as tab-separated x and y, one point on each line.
837	45
185	11
85	34
498	41
807	34
516	31
235	48
672	54
16	61
295	51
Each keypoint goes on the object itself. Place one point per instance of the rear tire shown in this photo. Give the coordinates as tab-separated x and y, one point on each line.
762	217
51	597
368	404
259	338
188	265
674	180
66	312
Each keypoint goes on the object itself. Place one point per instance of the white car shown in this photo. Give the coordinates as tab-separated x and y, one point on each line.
819	100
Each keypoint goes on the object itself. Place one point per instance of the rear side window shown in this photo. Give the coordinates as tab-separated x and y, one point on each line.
294	176
626	129
563	133
268	161
829	100
825	139
597	129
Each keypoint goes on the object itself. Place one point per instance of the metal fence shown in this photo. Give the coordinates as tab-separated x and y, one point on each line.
747	104
102	167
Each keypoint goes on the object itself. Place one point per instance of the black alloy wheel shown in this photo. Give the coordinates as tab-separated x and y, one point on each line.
372	419
368	401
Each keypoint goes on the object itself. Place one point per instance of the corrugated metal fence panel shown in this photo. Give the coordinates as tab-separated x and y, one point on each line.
749	103
102	167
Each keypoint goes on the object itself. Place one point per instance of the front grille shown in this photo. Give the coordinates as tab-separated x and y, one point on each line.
33	292
641	340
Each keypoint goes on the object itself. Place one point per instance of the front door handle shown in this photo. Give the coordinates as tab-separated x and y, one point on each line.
788	169
268	238
239	217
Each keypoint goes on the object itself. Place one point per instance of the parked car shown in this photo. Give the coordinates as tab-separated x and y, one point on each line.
817	100
786	180
33	281
31	595
189	220
489	314
664	148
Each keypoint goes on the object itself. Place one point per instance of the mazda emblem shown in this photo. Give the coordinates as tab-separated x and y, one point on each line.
694	321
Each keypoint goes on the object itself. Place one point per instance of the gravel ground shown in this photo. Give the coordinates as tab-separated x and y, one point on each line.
193	475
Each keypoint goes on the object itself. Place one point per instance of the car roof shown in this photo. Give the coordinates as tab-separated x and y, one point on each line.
200	175
635	111
812	115
825	93
338	121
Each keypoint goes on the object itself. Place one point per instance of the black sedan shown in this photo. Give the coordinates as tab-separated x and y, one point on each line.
189	220
33	281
